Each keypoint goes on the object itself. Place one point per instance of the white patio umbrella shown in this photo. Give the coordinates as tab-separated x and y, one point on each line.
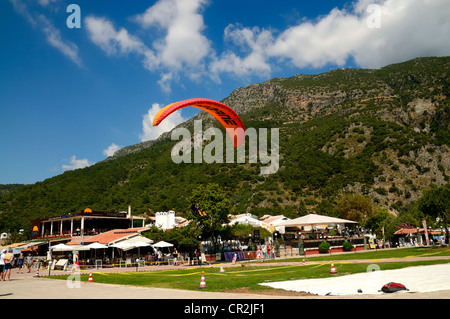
162	244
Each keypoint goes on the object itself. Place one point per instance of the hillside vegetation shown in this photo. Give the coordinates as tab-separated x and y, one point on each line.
380	133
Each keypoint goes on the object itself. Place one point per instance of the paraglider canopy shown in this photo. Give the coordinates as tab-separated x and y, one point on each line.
223	113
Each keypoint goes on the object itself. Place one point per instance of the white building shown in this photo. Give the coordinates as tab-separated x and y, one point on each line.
274	221
165	220
245	219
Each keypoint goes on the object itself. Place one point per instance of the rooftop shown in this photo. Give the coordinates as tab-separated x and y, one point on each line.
108	237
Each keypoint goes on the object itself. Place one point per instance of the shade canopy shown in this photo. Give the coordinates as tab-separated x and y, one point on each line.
60	247
141	244
122	245
96	246
314	219
162	244
64	247
134	242
16	251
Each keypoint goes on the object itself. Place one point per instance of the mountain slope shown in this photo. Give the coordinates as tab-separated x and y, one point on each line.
383	133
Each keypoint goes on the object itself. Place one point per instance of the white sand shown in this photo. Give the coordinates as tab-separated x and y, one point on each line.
416	279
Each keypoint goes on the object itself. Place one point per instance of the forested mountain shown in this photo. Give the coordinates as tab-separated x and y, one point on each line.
382	133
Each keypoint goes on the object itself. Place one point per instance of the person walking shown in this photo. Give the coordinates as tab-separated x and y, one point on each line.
21	260
175	257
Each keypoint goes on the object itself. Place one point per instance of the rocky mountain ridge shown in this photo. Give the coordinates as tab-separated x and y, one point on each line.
381	133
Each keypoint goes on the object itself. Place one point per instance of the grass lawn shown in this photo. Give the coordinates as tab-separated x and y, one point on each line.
384	254
250	275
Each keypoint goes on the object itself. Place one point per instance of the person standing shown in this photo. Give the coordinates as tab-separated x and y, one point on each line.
258	254
159	254
9	257
2	265
29	262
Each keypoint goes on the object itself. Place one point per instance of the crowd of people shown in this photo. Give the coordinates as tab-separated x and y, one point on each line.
157	257
7	261
154	256
265	252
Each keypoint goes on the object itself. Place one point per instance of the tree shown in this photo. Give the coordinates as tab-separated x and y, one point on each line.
183	238
242	232
355	207
210	209
382	221
435	202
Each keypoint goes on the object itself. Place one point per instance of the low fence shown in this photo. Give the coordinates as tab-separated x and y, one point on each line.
336	244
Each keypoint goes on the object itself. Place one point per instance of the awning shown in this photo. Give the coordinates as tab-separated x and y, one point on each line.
60	247
15	245
314	219
75	248
130	243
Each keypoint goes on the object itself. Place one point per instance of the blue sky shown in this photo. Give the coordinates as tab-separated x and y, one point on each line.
70	96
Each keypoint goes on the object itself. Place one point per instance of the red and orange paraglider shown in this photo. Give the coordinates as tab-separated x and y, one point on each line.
223	113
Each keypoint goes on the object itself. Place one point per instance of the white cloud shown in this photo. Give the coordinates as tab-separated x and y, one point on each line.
118	42
179	47
183	43
54	38
76	163
252	40
151	133
45	3
52	34
408	29
111	149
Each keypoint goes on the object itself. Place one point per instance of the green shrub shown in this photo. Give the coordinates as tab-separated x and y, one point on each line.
324	247
348	246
